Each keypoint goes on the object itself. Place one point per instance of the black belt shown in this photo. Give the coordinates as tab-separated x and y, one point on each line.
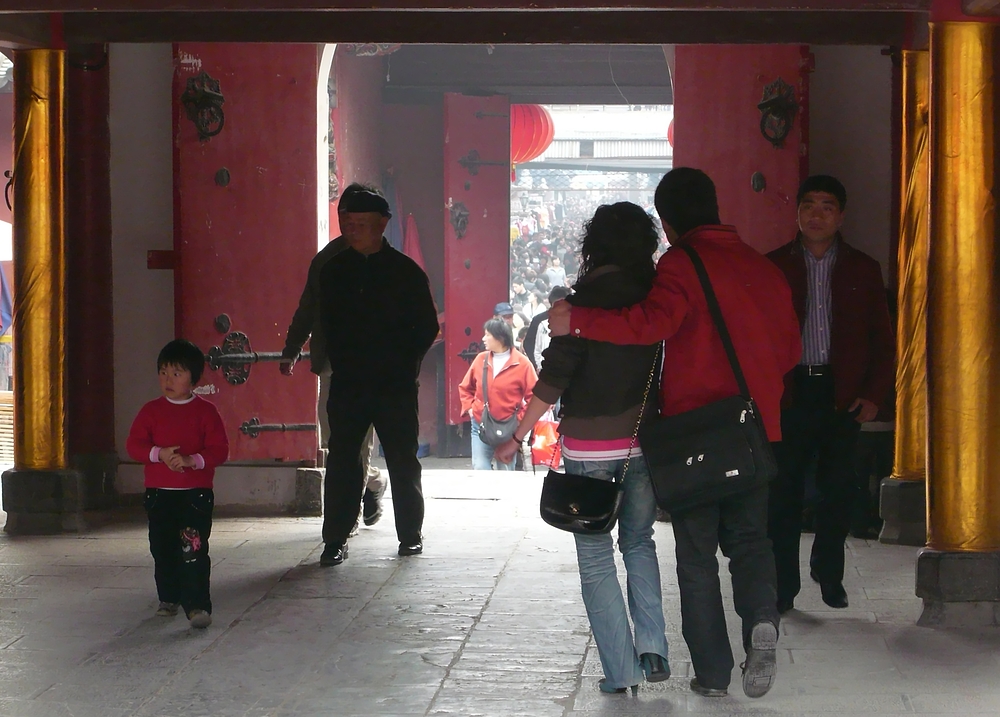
814	369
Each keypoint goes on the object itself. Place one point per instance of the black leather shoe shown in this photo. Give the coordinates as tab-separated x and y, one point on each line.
406	549
813	575
834	594
333	555
655	667
708	691
785	605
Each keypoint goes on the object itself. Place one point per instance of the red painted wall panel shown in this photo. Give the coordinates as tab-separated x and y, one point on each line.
412	137
477	264
717	129
243	249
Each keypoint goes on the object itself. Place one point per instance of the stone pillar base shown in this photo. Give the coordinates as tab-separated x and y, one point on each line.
308	492
99	471
903	508
958	589
43	502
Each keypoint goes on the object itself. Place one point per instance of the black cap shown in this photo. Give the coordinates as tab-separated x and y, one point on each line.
503	309
362	198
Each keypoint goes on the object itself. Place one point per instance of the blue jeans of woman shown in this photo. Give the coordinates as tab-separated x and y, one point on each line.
602	594
482	454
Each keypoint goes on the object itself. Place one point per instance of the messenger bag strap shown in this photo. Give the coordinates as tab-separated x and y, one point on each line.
486	385
720	322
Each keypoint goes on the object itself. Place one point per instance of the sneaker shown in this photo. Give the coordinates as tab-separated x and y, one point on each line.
372	502
200	619
761	666
167	609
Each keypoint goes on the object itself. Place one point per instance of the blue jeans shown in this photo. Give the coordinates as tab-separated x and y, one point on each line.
602	594
482	454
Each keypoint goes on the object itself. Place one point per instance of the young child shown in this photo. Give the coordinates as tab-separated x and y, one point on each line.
180	439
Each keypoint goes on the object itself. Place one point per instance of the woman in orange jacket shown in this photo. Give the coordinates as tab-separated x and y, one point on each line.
511	379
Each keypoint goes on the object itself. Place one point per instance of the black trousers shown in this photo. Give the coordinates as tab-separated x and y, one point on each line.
813	430
739	526
180	524
394	416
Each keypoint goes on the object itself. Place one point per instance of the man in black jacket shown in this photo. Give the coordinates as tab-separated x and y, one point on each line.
378	320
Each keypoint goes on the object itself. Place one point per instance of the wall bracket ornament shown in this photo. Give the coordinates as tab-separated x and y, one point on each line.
777	112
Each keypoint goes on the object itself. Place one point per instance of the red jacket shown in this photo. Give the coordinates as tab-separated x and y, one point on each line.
195	427
755	302
510	390
862	346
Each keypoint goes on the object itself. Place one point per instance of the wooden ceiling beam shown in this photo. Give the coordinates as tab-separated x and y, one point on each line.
665	27
32	6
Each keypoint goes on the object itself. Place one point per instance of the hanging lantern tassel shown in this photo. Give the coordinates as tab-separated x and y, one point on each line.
531	133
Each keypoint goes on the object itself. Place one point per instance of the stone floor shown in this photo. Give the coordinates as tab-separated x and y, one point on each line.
488	621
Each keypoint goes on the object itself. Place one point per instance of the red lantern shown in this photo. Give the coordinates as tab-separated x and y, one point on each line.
670	133
531	133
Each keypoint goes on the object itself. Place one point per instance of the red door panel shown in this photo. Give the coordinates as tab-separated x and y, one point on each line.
717	128
246	227
477	228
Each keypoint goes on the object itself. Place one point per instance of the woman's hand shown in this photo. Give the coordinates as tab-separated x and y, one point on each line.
505	452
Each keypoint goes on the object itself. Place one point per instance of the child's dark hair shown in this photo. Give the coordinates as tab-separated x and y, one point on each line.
184	354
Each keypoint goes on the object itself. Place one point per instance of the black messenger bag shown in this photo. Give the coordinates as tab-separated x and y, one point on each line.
715	451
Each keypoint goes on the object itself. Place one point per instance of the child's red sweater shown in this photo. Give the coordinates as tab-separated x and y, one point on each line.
195	426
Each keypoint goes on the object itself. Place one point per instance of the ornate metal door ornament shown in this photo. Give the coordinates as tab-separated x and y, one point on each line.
777	112
234	357
459	217
472	162
203	100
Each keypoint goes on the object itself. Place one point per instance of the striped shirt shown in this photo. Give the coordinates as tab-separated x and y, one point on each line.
612	449
819	307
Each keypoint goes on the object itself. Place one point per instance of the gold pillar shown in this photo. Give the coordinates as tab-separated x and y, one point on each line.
39	261
911	331
963	319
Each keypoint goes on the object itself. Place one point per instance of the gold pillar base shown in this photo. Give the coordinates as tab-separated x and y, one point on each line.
958	589
39	502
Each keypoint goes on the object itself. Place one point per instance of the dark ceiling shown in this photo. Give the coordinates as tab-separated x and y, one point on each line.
547	74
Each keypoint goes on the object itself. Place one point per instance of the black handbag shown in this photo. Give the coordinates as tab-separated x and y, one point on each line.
583	504
491	431
713	452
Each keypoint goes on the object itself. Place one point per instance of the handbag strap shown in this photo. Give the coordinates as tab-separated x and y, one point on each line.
486	384
720	322
642	408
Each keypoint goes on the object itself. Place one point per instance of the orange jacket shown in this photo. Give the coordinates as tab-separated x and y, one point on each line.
510	390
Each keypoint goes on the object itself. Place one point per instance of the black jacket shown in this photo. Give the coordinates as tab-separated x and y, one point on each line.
597	378
378	320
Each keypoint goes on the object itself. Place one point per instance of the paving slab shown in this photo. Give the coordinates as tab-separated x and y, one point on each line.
487	622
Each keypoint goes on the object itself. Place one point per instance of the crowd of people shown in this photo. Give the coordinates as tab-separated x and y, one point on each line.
545	253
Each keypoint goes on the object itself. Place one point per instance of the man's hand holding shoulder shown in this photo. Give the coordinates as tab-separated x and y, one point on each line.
559	318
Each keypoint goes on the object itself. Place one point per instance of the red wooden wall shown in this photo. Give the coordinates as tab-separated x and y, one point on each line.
717	129
243	249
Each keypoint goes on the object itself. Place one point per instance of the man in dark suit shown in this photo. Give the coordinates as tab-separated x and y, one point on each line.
845	375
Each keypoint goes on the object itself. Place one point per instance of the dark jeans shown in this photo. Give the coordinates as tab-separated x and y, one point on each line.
873	459
180	523
813	429
395	419
739	526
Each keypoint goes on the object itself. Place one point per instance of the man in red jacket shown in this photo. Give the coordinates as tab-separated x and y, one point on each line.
845	375
757	306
